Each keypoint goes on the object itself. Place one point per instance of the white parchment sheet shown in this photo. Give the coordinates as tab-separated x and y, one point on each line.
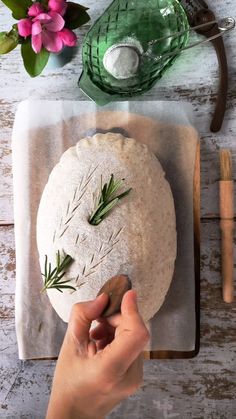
42	131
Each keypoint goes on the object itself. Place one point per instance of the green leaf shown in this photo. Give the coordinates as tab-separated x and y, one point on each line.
52	277
63	282
19	8
59	277
8	41
34	63
46	266
50	268
58	259
122	195
65	263
116	185
107	200
63	287
110	185
104	192
108	207
51	274
75	15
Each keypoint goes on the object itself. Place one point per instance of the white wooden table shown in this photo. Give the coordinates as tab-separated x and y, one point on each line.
203	387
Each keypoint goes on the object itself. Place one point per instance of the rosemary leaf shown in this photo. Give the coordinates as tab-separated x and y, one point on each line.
63	286
114	186
58	259
124	194
110	185
45	266
49	270
52	278
104	192
107	200
108	207
52	273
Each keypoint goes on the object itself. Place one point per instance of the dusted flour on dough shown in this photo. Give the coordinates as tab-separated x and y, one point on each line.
137	238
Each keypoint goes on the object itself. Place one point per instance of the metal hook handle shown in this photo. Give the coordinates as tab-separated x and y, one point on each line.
225	25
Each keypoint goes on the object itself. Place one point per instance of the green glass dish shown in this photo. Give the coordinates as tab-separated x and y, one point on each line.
120	50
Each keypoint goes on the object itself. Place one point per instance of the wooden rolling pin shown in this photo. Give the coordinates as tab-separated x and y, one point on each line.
227	224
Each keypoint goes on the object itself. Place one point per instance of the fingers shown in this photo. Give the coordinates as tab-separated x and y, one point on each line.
82	315
133	378
113	320
92	348
131	336
102	343
101	331
103	334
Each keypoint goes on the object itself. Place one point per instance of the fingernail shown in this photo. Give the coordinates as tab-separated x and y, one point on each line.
135	296
100	296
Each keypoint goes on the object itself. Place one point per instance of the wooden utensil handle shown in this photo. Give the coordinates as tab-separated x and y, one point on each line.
227	228
226	199
207	16
220	108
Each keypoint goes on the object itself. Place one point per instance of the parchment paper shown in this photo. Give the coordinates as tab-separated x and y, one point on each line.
42	131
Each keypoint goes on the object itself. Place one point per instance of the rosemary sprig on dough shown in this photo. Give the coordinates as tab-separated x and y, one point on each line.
53	278
107	200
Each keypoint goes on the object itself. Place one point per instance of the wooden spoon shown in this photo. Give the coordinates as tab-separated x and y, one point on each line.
204	16
115	287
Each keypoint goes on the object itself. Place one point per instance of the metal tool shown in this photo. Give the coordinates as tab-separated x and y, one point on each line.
198	12
193	6
226	24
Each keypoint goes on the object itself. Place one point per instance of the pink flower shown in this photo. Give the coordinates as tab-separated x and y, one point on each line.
35	9
47	28
68	37
24	27
44	30
58	6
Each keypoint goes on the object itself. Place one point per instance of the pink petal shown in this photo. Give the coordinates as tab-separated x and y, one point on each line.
24	27
36	41
43	18
57	22
68	37
58	6
36	28
35	9
52	41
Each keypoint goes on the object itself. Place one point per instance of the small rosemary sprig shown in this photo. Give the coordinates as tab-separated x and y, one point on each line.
107	200
52	278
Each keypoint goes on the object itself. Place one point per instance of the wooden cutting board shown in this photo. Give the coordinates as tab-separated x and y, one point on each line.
196	215
53	140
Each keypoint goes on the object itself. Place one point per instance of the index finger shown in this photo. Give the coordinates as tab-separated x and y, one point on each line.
113	320
131	336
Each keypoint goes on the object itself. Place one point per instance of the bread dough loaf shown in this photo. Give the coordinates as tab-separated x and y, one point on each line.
137	238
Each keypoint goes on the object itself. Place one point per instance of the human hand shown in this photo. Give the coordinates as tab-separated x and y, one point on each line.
93	376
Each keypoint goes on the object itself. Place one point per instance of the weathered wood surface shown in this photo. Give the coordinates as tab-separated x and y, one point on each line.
203	387
193	78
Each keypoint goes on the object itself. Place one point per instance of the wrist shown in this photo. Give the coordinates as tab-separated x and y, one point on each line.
63	408
59	409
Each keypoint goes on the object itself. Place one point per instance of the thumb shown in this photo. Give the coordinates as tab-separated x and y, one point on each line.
82	315
129	305
130	338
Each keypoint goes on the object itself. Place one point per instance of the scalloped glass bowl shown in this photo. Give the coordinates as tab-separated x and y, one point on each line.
138	24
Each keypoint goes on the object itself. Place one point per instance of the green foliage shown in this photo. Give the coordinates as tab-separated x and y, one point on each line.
53	278
75	15
34	63
8	41
19	8
107	200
